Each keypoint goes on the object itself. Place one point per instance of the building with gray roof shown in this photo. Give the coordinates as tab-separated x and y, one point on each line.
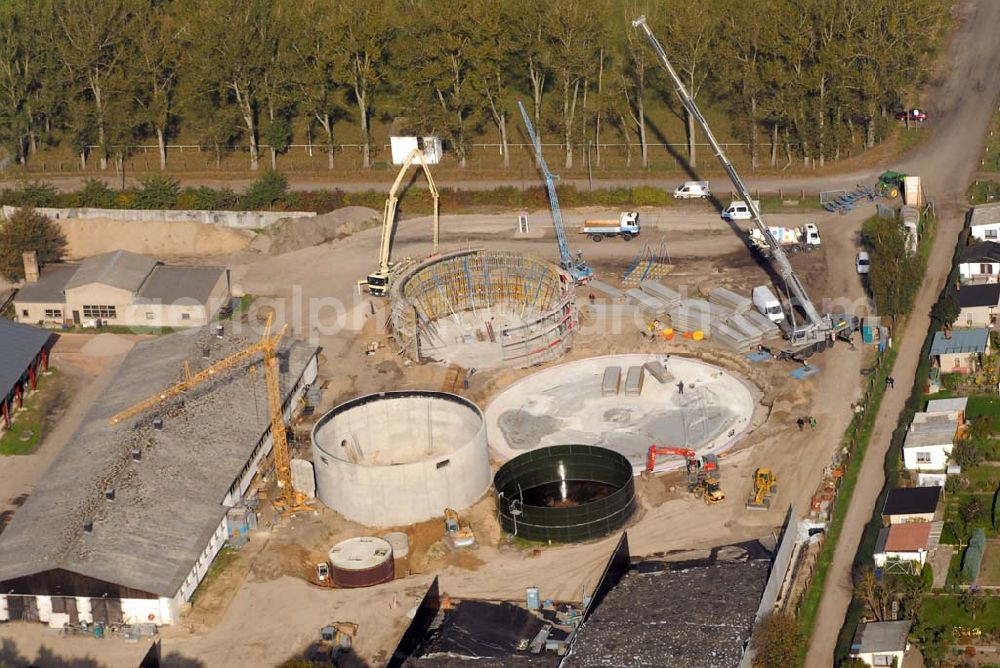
958	351
122	288
127	520
879	643
23	356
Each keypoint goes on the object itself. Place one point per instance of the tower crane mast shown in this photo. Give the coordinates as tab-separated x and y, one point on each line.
818	329
268	347
576	267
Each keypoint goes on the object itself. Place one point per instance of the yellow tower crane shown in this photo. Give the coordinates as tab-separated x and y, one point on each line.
268	345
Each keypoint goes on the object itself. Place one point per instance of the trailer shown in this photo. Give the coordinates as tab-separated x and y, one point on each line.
627	227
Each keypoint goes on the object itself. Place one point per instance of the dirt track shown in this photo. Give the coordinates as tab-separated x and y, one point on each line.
963	104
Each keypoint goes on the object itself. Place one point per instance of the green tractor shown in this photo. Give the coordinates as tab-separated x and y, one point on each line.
890	184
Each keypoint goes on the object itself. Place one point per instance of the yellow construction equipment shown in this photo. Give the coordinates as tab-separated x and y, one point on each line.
268	347
765	484
379	281
710	491
456	534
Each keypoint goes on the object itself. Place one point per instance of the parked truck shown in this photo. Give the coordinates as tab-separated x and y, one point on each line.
626	227
791	239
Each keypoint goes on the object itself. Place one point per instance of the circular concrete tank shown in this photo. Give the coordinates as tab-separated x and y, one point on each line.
361	562
398	458
483	308
565	493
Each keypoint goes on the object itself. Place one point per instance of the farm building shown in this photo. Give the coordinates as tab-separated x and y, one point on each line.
984	224
931	438
24	354
881	643
903	548
127	520
959	351
978	305
121	288
911	504
980	263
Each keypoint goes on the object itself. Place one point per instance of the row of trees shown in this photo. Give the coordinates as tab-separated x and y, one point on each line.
811	79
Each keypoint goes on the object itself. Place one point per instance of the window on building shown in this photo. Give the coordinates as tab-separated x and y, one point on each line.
990	233
986	269
149	315
923	458
53	313
24	312
91	311
185	316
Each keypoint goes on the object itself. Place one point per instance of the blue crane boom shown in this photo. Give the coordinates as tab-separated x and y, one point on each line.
576	267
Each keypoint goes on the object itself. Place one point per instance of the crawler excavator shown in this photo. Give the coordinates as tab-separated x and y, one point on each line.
702	472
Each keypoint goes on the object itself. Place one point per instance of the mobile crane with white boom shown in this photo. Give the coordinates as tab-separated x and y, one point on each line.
818	331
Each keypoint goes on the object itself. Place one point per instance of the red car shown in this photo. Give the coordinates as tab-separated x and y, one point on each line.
917	115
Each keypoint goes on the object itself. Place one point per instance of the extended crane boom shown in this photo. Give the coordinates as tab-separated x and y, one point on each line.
378	282
819	327
268	346
576	267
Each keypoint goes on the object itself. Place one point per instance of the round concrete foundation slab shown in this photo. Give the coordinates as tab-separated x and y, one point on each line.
361	562
398	458
579	402
565	493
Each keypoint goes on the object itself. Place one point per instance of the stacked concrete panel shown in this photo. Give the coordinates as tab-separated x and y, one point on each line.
767	327
730	300
649	306
666	295
742	325
612	293
730	337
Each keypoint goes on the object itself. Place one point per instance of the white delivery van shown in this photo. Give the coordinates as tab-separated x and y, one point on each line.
693	190
768	305
738	210
810	235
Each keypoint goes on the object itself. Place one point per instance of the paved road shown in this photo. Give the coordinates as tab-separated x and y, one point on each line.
964	97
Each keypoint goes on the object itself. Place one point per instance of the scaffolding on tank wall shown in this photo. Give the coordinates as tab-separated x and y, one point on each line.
476	280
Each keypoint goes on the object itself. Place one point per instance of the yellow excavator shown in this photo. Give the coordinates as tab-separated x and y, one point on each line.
765	484
380	280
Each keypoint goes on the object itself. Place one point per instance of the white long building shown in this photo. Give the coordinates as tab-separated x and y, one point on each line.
127	520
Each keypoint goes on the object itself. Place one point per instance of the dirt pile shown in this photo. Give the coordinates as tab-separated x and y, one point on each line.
292	234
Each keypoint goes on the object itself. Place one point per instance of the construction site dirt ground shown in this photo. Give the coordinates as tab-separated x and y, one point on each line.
268	576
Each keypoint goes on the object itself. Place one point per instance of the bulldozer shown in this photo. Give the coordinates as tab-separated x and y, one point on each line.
764	486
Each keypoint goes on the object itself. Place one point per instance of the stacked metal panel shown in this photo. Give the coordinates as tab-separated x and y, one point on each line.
609	291
742	325
659	372
693	315
730	300
650	306
763	323
732	338
666	295
611	383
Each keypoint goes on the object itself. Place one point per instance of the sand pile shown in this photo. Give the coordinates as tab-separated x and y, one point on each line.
106	345
293	234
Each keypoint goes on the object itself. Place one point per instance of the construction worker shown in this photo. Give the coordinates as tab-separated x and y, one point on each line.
680	387
801	422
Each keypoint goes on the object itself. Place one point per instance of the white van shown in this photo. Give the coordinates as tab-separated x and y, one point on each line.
693	190
810	235
767	304
738	210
